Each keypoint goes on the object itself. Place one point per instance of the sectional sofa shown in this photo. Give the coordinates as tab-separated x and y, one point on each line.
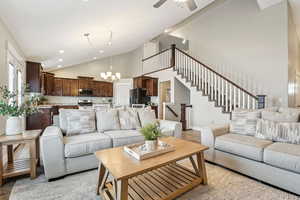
69	145
271	153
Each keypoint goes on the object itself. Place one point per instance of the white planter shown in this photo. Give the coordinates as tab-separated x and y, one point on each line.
150	145
14	126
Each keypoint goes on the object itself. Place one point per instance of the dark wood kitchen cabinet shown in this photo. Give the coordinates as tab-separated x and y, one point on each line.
58	87
34	76
47	83
102	89
70	87
85	82
149	83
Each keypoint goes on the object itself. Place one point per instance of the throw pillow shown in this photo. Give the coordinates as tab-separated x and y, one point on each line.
147	117
244	122
280	117
288	133
63	118
129	119
80	122
107	120
266	129
294	111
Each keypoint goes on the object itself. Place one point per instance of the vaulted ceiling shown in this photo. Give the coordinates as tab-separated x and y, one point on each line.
44	27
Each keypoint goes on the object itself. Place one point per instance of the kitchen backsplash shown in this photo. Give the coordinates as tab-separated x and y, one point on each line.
74	100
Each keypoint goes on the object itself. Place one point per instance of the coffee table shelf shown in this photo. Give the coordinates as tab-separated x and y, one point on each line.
161	184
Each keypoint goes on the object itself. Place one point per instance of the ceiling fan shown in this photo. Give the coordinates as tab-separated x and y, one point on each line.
191	4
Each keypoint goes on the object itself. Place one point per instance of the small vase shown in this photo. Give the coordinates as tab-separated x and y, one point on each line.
14	126
150	145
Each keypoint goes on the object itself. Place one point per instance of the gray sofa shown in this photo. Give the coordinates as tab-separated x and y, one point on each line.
275	163
62	155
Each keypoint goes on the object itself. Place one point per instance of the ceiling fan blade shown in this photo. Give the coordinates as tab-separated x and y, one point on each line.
191	4
159	3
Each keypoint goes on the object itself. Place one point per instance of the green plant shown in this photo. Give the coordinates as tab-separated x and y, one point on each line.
10	107
151	131
42	99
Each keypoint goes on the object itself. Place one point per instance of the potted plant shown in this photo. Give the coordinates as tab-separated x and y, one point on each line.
151	132
42	100
15	112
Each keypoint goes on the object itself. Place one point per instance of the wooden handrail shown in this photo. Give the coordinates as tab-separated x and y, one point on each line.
223	77
172	111
143	60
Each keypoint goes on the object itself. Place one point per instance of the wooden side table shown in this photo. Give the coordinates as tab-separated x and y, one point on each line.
24	166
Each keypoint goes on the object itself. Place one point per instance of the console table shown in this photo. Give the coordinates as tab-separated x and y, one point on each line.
23	166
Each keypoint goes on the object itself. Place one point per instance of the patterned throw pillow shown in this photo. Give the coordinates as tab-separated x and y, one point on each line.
244	122
278	131
107	120
80	122
266	129
129	119
288	133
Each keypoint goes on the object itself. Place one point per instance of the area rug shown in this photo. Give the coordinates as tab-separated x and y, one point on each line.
223	184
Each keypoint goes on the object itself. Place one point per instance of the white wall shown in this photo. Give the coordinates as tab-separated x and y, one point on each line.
5	37
244	43
126	64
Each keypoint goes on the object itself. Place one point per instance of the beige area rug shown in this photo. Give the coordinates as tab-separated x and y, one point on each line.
223	185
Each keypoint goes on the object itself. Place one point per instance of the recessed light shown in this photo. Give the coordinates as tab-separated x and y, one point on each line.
61	51
167	30
101	51
60	60
59	66
85	0
95	58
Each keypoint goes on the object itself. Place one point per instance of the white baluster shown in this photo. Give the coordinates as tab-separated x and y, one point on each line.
253	103
244	100
239	98
222	92
215	88
205	80
230	97
248	102
219	90
226	96
234	97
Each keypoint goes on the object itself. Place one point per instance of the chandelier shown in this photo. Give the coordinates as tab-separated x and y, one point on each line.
109	74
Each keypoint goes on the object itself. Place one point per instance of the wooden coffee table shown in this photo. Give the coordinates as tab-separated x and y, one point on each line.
159	178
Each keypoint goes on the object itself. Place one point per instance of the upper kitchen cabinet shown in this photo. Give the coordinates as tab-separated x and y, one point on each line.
47	83
102	89
149	83
85	82
58	87
69	87
34	76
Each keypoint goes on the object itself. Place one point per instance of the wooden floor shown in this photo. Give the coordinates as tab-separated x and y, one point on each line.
6	189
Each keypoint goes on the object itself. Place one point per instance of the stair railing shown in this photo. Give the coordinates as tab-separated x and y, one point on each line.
224	92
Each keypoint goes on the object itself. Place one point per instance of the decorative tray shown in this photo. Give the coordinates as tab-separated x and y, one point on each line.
139	152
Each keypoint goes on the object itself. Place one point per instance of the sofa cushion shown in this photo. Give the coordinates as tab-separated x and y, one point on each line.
283	155
80	122
129	119
124	137
147	117
280	117
80	145
242	145
107	120
244	122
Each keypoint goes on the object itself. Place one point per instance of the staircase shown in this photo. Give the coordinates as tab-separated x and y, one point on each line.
219	89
